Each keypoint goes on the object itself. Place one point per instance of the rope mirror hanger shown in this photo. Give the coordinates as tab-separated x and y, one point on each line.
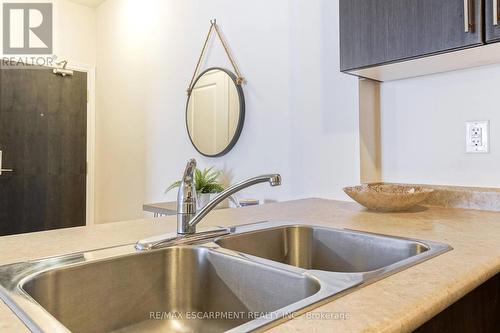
214	27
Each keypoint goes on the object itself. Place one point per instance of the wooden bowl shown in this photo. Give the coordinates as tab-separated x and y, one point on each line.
387	197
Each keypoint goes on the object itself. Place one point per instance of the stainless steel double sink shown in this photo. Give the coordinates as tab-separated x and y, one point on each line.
256	277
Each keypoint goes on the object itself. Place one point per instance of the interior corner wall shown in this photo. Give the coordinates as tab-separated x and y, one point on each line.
369	131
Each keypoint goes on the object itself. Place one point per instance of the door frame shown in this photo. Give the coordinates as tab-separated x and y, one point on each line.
90	70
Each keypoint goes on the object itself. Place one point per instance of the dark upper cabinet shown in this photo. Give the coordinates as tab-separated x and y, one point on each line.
492	20
374	32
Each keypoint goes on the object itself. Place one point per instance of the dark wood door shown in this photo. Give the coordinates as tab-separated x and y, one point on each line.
492	20
374	32
43	138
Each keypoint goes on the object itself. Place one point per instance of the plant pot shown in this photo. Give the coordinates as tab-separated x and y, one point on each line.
205	198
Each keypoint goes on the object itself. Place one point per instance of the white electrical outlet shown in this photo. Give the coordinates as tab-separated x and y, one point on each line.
477	136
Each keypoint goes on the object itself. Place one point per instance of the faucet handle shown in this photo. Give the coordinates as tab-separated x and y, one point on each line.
189	171
186	199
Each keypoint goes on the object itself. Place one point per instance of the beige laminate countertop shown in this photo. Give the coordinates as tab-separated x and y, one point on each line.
399	303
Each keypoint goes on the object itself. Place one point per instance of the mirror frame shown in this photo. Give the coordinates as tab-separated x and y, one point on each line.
241	119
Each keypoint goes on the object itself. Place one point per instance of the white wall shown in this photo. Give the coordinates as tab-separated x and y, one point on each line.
423	128
75	32
302	116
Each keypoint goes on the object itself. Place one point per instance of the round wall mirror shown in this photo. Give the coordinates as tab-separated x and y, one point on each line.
215	112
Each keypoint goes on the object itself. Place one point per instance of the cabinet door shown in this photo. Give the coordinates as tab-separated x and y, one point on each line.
374	32
492	20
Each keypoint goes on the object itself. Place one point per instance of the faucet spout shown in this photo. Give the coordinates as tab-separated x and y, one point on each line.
272	179
275	180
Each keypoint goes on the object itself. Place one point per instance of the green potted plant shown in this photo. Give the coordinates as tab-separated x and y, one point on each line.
207	184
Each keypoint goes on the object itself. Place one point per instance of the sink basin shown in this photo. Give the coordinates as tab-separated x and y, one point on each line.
324	249
258	276
163	291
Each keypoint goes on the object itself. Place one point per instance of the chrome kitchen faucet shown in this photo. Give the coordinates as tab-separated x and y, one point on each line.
187	215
